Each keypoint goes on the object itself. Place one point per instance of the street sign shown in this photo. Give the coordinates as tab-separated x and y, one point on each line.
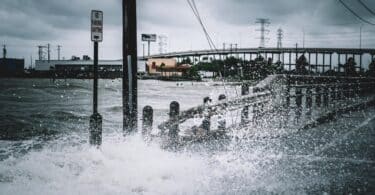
149	37
96	26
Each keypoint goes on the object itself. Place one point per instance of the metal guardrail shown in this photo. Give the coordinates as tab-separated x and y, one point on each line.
296	87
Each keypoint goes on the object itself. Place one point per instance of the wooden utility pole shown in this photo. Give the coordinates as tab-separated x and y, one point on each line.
129	53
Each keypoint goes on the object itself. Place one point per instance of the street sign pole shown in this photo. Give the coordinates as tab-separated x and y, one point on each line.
129	78
96	119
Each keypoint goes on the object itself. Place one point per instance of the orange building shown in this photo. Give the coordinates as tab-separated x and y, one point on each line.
165	67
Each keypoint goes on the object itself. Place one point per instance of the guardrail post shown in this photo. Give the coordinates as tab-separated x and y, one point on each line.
244	89
318	96
333	92
339	94
245	115
308	98
245	110
325	96
174	112
298	97
206	123
346	89
221	119
147	119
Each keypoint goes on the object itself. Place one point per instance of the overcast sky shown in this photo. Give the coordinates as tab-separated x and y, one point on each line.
326	23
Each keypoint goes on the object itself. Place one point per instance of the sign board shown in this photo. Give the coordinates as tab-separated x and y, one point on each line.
96	26
149	37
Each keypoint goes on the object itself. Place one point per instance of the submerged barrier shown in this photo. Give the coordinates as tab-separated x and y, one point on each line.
278	95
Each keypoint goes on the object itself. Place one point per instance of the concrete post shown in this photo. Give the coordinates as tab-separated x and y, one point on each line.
147	120
318	99
174	113
221	118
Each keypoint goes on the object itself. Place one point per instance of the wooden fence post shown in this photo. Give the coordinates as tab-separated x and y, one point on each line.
221	119
244	89
318	96
147	120
245	110
206	123
325	96
174	113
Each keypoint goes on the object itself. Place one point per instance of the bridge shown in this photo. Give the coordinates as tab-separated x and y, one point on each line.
320	59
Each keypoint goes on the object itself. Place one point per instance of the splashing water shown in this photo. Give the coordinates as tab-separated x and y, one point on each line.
64	163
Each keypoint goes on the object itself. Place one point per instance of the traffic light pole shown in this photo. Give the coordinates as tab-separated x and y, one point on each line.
129	53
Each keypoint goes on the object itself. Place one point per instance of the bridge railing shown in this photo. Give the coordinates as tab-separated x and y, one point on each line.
277	96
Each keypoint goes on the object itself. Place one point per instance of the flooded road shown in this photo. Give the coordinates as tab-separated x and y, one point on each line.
44	147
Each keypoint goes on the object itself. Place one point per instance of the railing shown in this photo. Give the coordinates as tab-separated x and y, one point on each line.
274	97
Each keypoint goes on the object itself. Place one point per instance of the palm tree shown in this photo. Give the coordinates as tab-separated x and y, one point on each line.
162	65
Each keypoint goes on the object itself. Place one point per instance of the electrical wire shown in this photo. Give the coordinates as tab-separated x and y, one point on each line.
199	18
366	7
355	14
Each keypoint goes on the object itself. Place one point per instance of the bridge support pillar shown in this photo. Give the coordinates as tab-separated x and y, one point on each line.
324	62
316	62
330	61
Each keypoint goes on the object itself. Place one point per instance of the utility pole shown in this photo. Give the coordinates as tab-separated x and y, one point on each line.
41	52
48	52
31	61
143	45
58	52
263	24
129	53
303	38
280	38
360	37
4	51
224	46
162	43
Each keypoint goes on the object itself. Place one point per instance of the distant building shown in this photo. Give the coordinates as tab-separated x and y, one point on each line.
11	67
165	67
77	67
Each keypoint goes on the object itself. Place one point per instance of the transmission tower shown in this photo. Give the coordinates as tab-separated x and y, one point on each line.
4	51
162	43
263	24
280	35
41	52
58	52
49	51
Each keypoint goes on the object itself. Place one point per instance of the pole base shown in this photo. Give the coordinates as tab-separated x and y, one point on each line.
96	122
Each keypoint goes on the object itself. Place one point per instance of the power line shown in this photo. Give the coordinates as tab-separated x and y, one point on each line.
365	6
197	15
354	13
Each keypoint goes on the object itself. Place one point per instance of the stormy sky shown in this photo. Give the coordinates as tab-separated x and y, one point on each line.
25	24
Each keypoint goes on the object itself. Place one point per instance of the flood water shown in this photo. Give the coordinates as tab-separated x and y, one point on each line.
44	147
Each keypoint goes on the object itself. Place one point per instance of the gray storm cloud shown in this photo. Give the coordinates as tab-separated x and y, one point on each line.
322	20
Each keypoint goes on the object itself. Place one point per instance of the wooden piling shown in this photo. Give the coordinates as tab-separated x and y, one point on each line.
221	118
147	120
174	112
318	96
